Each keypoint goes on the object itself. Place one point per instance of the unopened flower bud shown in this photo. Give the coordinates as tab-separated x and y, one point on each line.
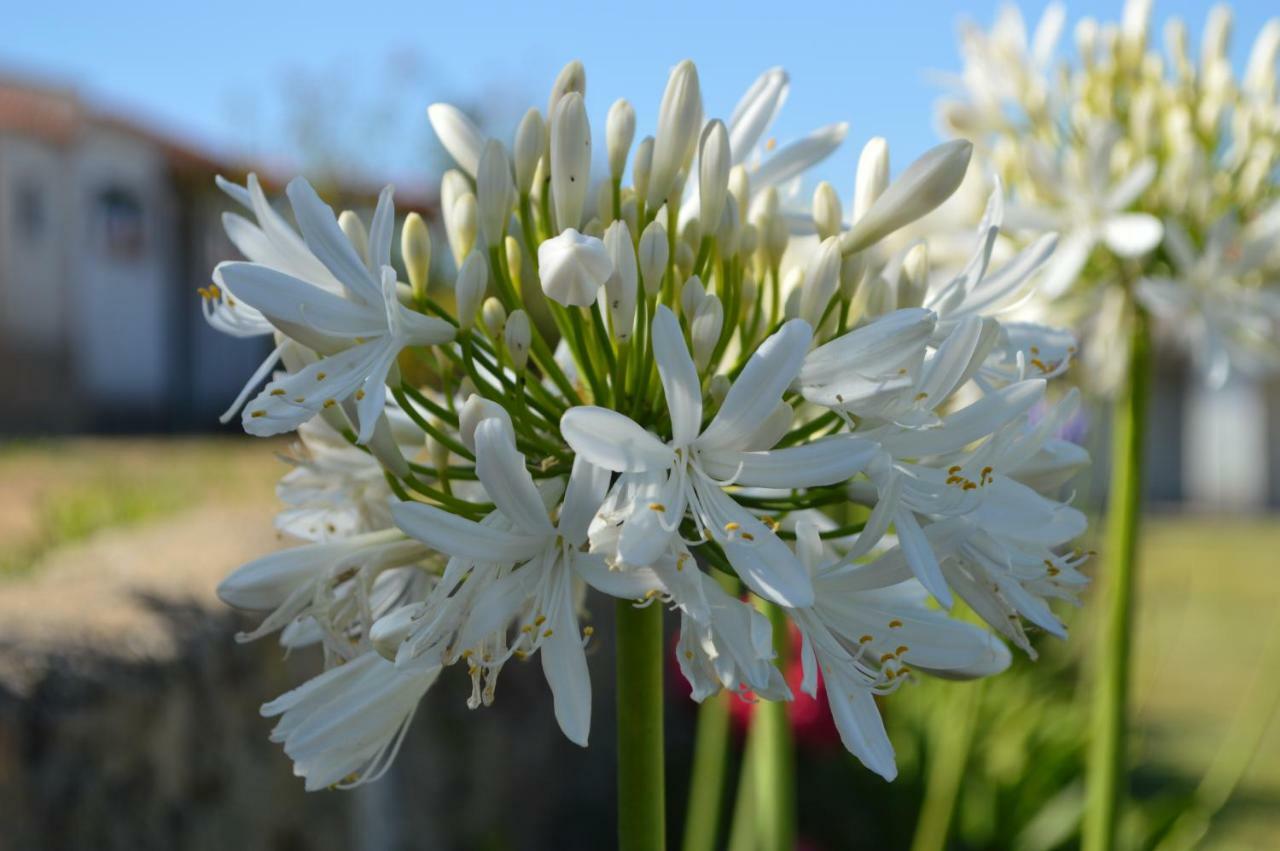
826	210
919	190
518	336
685	258
573	267
570	160
461	226
353	228
572	78
604	202
740	187
494	316
851	269
714	162
469	288
748	240
515	262
495	192
793	289
749	292
691	233
619	131
415	248
653	256
705	330
872	176
453	185
730	230
718	387
913	282
458	134
691	295
623	286
642	166
1217	35
474	411
531	142
679	120
822	279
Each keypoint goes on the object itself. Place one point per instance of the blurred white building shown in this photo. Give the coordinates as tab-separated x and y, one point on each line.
107	228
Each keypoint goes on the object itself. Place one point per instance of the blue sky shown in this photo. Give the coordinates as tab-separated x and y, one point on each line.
224	74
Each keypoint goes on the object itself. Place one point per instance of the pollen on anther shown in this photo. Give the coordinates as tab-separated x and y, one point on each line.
895	624
657	506
321	376
256	414
329	403
548	633
359	395
866	639
588	631
279	391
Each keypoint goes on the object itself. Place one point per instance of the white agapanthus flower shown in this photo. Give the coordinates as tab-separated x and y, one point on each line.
681	442
1157	168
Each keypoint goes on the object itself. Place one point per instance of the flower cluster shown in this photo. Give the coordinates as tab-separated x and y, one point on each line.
1159	170
623	394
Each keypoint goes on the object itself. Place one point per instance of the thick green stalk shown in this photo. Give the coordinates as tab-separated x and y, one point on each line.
641	806
773	767
706	780
1106	778
952	727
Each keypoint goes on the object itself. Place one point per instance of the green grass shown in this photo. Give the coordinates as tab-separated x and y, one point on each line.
59	492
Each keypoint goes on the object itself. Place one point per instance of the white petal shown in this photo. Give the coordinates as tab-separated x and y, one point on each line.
624	582
456	536
582	498
328	243
920	556
679	377
1134	184
1132	234
799	156
564	663
459	136
380	232
1069	257
573	267
756	391
974	422
821	462
657	506
285	298
758	556
756	111
613	441
861	729
502	471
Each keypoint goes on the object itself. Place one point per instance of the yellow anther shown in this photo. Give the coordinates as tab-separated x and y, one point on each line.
1053	571
732	526
539	620
886	657
902	371
657	506
921	396
329	403
548	633
521	655
771	144
588	631
688	654
747	536
279	391
953	470
359	395
256	414
895	624
902	648
321	376
970	486
527	628
1035	350
771	522
866	639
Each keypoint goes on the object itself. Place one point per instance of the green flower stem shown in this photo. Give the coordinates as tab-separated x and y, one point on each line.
743	835
773	759
952	728
706	781
641	785
1106	774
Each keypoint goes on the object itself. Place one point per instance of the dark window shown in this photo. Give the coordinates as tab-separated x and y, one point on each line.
29	211
120	212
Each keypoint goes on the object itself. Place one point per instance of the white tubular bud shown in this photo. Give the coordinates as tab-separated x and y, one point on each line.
389	631
415	248
679	120
619	132
458	134
740	187
468	290
1134	26
793	290
604	202
714	162
705	330
821	280
355	232
531	143
515	262
642	167
594	227
729	232
453	185
495	192
1217	35
623	286
851	269
919	190
691	295
494	316
474	411
630	214
691	233
685	258
1260	72
1087	40
573	267
572	78
570	160
653	256
826	210
913	283
718	387
872	177
1177	45
748	240
461	226
750	291
518	336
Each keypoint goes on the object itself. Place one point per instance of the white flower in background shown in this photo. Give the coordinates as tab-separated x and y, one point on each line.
711	389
